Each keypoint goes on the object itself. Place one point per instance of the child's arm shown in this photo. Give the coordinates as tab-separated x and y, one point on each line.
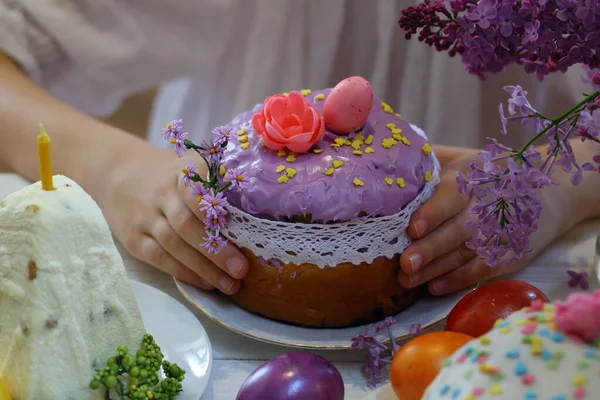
136	185
439	255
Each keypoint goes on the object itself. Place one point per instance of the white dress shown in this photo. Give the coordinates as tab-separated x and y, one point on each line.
214	58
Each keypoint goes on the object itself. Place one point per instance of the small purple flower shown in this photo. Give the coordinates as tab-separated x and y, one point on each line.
189	172
415	330
173	129
214	243
237	178
222	134
214	204
213	151
199	192
176	136
578	279
484	13
215	222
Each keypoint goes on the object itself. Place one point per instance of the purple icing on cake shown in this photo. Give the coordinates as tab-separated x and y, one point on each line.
334	197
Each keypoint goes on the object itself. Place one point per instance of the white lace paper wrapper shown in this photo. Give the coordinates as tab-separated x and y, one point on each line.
323	245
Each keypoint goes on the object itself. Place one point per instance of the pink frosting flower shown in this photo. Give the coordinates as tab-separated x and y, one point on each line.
579	315
289	121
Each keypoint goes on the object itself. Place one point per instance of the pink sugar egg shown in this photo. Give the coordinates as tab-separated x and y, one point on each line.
348	105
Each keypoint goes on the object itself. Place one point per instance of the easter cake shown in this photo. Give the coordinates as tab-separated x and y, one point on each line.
321	187
546	351
65	300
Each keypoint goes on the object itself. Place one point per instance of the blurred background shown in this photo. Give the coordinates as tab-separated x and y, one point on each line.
132	116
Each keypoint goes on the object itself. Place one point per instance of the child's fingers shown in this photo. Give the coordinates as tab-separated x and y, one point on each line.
447	238
187	226
153	253
171	241
469	274
445	203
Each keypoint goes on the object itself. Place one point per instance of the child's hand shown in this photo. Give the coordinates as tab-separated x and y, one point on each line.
159	221
439	256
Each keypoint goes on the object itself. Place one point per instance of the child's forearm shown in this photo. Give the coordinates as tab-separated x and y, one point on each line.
584	199
82	148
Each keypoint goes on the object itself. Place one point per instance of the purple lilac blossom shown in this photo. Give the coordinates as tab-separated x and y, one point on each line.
578	279
489	35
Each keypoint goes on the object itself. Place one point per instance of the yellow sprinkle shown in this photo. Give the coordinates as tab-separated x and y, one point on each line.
369	139
485	367
356	144
281	153
495	389
400	182
521	322
428	176
359	137
305	92
347	142
389	181
340	141
396	130
357	152
426	149
358	182
484	340
470	396
505	329
335	145
320	96
282	179
222	170
405	141
241	132
290	158
317	151
280	168
290	172
498	322
337	163
369	150
384	104
329	171
245	145
547	308
243	139
388	143
388	110
536	346
579	380
398	137
391	126
285	94
398	115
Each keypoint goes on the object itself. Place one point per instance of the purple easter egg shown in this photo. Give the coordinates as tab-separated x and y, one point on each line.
294	376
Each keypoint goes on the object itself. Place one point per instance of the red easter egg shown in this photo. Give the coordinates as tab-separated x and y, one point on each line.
348	105
476	313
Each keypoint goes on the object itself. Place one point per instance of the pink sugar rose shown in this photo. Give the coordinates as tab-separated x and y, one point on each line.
579	315
289	121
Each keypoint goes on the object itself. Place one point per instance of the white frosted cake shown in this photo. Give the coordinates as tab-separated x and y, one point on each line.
548	352
65	301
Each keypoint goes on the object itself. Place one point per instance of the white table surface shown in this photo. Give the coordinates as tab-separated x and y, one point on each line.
235	356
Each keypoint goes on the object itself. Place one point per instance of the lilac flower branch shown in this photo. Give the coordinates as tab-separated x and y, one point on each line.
379	355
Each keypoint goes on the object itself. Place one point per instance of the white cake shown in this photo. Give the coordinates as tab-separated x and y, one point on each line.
65	301
522	358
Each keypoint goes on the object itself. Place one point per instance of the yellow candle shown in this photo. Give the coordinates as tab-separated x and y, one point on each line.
45	160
